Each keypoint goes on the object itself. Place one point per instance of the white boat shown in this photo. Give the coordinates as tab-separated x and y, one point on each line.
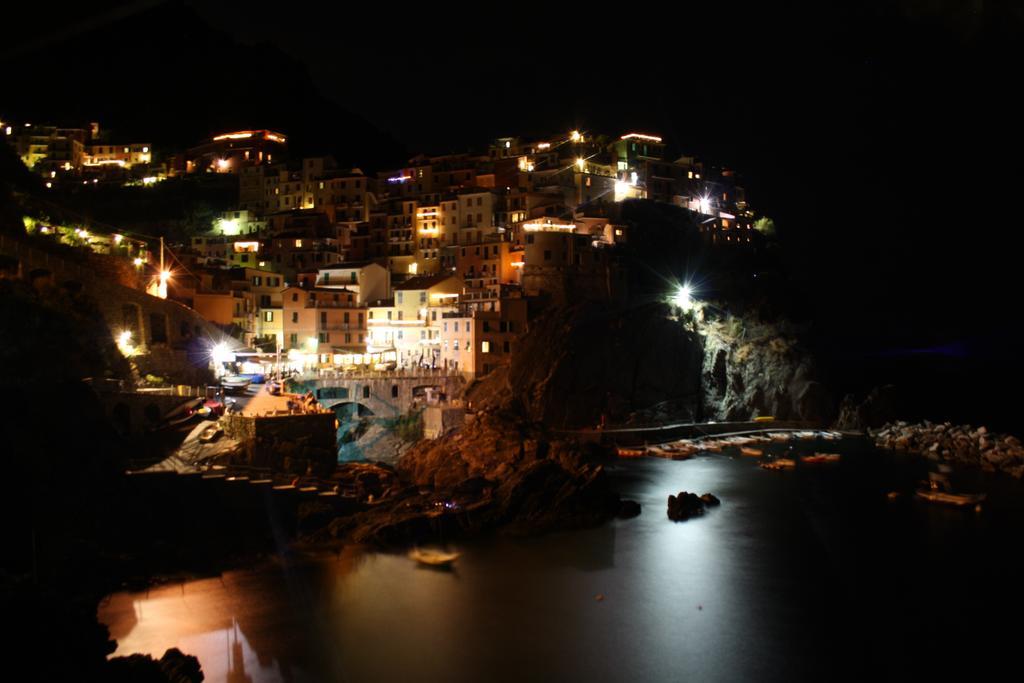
957	499
433	558
235	384
211	433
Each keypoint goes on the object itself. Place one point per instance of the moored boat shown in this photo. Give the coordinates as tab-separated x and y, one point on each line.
433	558
778	464
211	433
630	452
820	458
753	452
235	383
957	499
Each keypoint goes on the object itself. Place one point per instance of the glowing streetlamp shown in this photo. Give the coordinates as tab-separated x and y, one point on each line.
312	343
219	355
138	261
683	298
124	344
576	136
223	164
705	204
161	287
581	163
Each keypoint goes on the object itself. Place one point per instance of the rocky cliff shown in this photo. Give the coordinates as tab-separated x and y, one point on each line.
581	363
494	473
578	366
753	367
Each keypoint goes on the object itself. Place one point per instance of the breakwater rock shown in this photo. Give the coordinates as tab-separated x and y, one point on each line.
494	473
686	505
955	443
173	667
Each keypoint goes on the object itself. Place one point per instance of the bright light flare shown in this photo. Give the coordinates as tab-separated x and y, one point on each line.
220	354
124	344
683	298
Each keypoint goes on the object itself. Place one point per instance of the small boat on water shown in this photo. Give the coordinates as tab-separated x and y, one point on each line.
753	452
957	499
235	384
778	464
670	453
820	458
211	433
433	558
631	452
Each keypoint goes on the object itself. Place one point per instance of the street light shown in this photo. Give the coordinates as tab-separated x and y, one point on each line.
683	298
705	204
219	355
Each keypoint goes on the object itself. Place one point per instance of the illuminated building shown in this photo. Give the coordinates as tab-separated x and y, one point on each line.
485	266
49	148
323	322
240	222
231	151
104	155
409	323
369	280
568	265
475	341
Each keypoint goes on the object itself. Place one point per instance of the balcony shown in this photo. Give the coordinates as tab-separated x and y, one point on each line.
318	303
341	327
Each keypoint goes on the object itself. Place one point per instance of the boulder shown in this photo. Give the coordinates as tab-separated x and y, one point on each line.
627	509
686	505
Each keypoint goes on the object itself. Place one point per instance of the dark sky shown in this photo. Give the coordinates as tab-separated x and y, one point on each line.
884	138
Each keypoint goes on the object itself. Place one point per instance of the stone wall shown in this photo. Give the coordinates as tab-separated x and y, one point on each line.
439	420
387	395
298	444
175	339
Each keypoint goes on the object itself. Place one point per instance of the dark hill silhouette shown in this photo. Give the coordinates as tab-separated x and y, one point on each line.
165	76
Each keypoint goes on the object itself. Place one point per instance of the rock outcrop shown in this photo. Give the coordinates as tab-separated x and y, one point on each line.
580	363
753	368
686	505
955	443
173	667
880	406
493	473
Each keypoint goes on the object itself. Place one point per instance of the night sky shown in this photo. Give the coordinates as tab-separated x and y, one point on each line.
884	140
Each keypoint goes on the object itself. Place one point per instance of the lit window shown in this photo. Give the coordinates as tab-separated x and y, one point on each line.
485	347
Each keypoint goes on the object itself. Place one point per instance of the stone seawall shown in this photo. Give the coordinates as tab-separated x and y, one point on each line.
297	444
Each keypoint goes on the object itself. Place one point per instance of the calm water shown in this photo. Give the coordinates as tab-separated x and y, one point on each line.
805	575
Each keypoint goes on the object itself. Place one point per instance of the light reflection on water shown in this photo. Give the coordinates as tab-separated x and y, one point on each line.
754	590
